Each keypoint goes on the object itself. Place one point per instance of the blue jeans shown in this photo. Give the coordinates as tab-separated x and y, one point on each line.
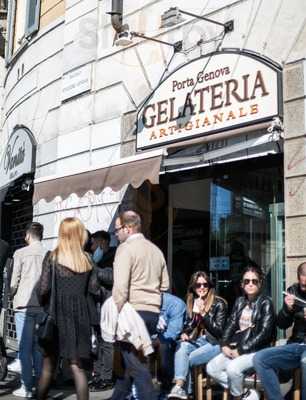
29	354
192	353
268	361
229	372
136	368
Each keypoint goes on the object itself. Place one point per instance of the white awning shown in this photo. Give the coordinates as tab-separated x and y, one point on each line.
132	170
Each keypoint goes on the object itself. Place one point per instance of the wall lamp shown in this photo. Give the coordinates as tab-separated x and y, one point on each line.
125	38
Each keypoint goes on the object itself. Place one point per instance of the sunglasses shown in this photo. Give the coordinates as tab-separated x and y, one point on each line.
248	281
199	285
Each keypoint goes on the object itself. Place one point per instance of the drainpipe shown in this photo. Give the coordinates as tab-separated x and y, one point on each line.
116	13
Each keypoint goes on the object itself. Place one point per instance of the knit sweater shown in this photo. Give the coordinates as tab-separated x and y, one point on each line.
140	274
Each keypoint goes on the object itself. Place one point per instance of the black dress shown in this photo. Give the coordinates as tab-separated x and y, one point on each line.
75	310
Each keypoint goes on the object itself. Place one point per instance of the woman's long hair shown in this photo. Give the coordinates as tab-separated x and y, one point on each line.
191	295
69	252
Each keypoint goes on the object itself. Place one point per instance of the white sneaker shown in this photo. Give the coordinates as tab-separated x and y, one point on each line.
178	392
15	366
22	392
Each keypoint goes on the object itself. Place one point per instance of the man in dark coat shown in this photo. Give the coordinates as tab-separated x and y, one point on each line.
103	368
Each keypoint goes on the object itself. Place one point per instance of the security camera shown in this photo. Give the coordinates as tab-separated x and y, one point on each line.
124	38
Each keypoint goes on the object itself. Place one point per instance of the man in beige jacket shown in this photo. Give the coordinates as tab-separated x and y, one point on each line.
140	275
26	274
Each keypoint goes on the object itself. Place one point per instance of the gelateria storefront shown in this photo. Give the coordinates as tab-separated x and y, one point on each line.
219	204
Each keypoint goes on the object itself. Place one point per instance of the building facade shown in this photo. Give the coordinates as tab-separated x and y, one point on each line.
89	107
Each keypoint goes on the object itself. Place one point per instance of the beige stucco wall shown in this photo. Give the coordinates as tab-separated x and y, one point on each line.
50	10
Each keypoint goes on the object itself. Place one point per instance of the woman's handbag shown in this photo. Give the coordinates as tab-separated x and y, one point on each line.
240	337
46	327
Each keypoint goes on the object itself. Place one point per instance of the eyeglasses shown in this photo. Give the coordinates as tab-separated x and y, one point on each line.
199	285
116	230
248	281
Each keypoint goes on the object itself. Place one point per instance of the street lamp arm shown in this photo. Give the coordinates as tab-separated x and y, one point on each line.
228	26
176	46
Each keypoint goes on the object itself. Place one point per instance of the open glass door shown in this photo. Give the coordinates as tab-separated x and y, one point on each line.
246	229
224	223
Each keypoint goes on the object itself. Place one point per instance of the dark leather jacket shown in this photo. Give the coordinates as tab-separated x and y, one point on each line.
262	331
213	322
286	318
108	258
105	273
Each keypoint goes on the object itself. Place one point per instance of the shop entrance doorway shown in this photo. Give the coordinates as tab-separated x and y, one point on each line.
189	202
225	222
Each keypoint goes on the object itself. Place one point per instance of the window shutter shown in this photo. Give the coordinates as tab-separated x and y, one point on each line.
32	17
10	30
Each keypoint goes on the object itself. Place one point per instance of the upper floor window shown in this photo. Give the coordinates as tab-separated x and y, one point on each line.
22	22
3	4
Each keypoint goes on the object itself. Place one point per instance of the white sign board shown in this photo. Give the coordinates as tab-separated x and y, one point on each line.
76	82
211	94
19	156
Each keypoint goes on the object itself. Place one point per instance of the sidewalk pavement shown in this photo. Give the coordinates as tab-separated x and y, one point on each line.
67	393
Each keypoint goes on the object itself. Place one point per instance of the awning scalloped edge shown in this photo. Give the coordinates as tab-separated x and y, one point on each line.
115	177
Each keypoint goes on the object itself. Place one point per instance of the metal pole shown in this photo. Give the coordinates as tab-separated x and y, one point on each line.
228	26
141	35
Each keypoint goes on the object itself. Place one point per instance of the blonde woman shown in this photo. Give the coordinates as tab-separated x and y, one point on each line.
73	283
200	338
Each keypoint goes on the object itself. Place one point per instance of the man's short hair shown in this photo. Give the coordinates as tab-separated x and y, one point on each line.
131	218
101	235
35	230
301	270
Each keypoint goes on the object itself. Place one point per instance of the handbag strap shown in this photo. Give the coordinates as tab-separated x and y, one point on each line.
52	296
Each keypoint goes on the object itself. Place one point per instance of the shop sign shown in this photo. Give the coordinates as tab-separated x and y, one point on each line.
76	82
18	157
218	92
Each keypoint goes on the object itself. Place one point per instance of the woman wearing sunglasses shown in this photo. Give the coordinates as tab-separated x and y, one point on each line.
250	328
199	341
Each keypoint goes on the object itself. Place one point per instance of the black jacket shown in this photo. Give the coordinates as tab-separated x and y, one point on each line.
105	274
213	322
262	331
108	258
286	318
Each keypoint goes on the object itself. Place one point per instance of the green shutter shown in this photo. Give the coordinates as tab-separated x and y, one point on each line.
32	17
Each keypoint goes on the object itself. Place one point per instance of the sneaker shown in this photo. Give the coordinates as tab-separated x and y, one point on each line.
250	394
101	385
23	392
15	366
177	392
